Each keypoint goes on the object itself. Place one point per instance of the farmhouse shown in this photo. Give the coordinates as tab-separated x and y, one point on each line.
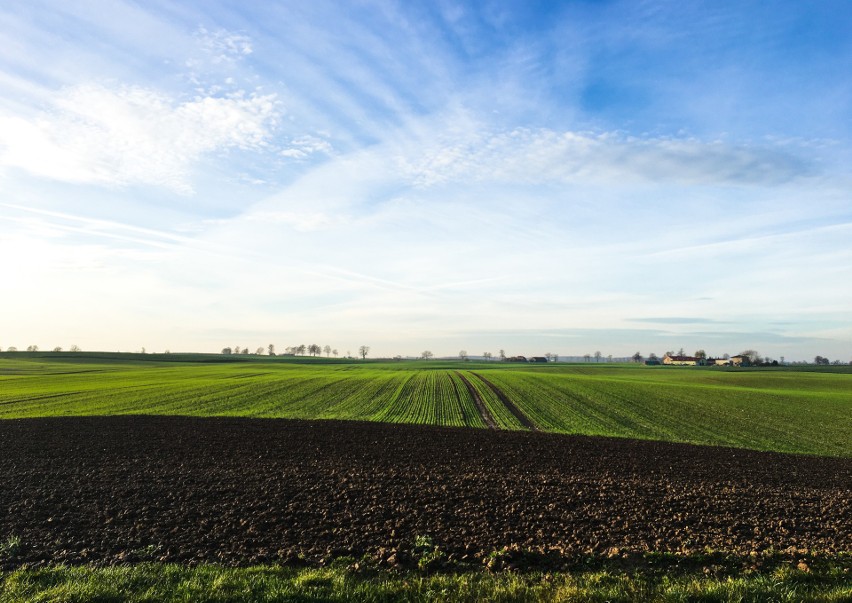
740	361
682	360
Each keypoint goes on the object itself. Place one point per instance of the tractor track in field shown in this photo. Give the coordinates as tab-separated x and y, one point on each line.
480	405
517	412
108	490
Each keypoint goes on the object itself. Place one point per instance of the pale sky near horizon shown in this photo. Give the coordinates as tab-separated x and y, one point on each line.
539	177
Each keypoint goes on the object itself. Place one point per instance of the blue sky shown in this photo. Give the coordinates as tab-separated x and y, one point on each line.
533	176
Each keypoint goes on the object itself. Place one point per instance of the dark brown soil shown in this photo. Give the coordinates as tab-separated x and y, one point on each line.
115	489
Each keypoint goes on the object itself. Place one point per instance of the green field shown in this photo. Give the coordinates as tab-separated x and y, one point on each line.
789	409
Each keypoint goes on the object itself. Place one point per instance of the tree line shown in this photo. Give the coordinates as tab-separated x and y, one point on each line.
296	350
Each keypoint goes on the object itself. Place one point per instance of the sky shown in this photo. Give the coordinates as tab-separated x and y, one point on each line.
564	177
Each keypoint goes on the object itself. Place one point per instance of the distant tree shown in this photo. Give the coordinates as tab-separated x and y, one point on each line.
463	354
556	358
486	355
597	356
259	351
227	351
548	355
502	354
57	348
334	352
237	349
300	349
652	356
143	351
75	348
11	349
314	349
637	357
587	357
327	350
680	352
363	351
700	354
821	360
609	358
270	349
245	350
753	357
348	354
32	348
426	355
167	352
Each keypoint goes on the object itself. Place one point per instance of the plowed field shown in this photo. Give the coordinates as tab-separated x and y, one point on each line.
108	489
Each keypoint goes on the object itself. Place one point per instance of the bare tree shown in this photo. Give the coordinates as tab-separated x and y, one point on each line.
556	358
32	348
753	356
680	352
486	355
244	352
502	354
75	348
587	357
327	350
363	351
598	356
609	358
700	354
300	349
237	349
259	351
57	348
426	355
11	349
271	349
227	351
637	357
463	354
334	352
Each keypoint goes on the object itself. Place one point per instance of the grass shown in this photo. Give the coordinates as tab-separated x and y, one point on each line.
789	409
350	582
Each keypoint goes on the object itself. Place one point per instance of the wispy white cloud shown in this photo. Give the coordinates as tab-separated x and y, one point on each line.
129	135
223	45
524	155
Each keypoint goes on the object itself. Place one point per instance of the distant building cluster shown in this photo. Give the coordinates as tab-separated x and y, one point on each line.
535	359
674	360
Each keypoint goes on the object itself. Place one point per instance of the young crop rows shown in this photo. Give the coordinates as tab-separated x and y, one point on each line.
788	411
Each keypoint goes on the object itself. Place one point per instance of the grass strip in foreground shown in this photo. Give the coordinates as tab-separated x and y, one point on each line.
348	581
